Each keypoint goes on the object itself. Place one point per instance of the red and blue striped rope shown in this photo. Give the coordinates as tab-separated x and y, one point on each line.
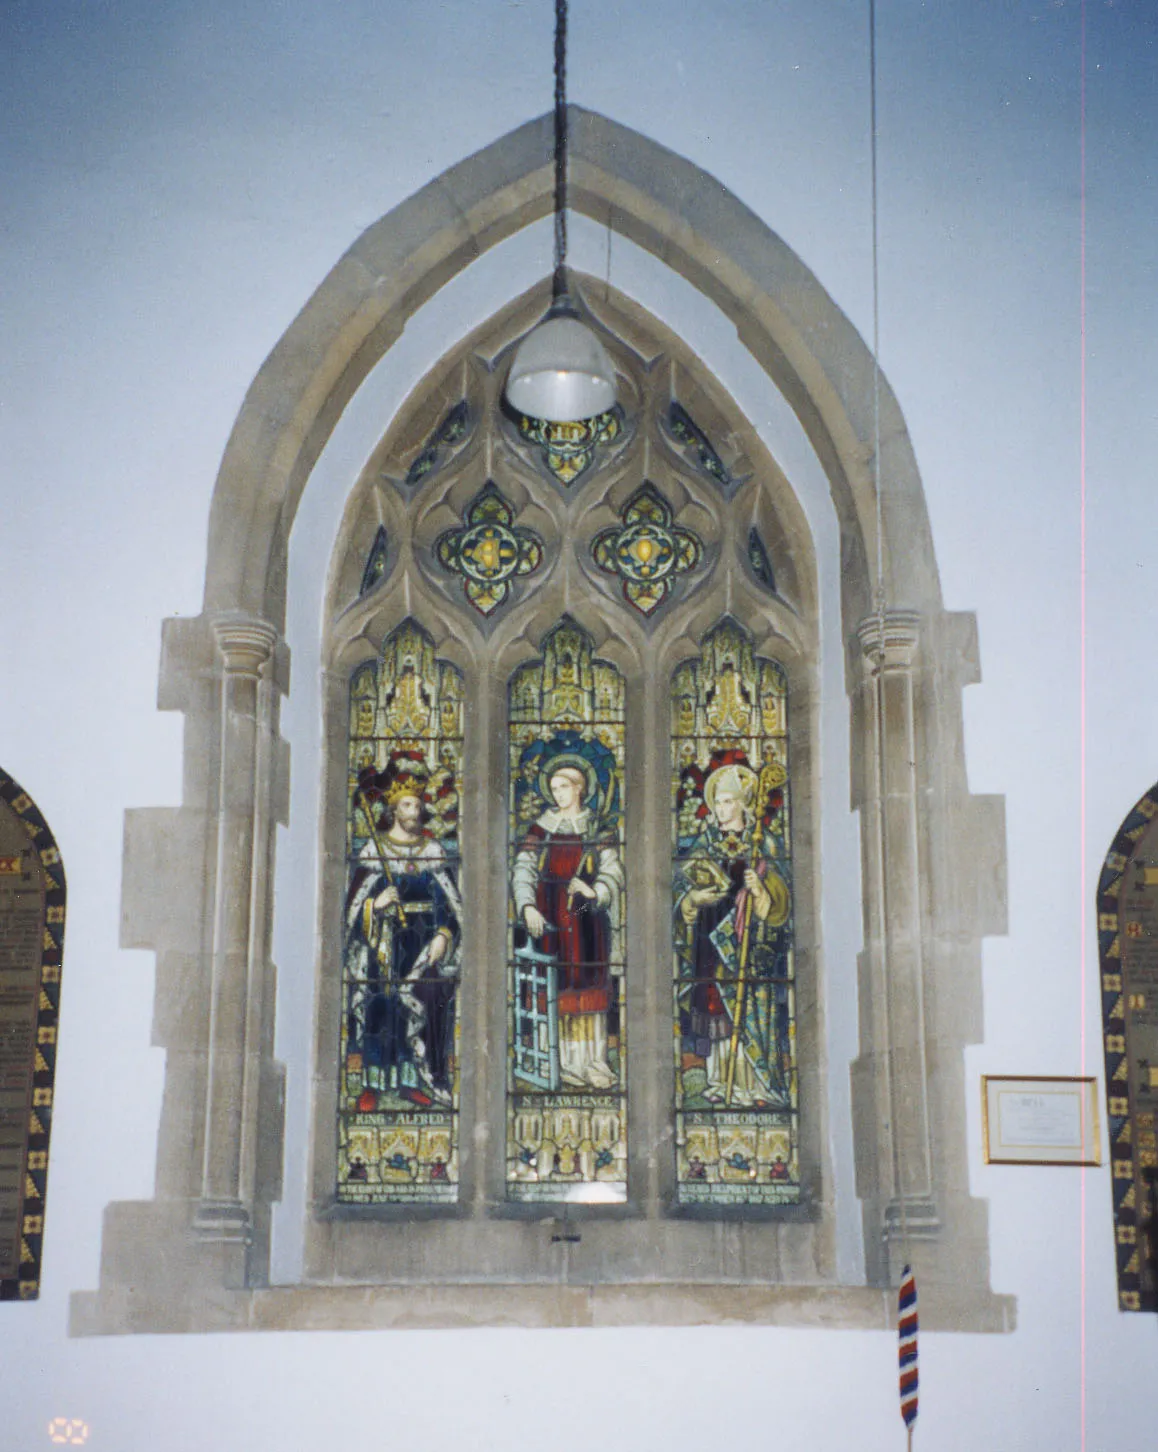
907	1347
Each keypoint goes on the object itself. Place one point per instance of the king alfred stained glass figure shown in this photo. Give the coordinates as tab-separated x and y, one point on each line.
402	931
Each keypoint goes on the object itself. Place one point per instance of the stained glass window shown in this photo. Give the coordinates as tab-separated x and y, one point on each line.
489	551
375	570
451	431
402	929
566	1086
568	449
759	562
684	429
647	551
736	1094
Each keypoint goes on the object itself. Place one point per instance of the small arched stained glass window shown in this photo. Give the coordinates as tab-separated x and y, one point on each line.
736	1094
566	1093
402	930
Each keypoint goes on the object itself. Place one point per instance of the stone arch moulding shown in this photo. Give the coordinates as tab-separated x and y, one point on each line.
196	877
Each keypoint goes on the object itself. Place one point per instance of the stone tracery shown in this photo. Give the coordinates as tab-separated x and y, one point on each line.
811	352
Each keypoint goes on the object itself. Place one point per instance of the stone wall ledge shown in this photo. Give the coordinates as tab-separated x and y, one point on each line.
440	1307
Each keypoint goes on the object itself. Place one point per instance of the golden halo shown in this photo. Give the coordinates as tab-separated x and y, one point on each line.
735	776
577	763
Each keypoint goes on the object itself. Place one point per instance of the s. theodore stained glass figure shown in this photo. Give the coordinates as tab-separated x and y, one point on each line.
732	885
732	910
566	1116
403	924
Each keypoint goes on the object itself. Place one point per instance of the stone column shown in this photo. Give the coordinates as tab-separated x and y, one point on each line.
224	1211
890	1079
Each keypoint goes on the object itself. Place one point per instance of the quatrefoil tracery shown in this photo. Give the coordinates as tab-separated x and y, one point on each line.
647	551
488	551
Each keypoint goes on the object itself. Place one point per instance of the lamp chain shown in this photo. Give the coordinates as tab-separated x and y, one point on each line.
559	286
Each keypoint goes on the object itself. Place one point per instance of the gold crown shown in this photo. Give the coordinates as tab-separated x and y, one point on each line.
403	786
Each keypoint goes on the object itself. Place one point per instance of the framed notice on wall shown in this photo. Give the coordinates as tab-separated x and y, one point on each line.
1039	1121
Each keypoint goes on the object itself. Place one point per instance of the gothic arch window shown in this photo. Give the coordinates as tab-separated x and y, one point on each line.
648	531
737	1083
402	930
567	1031
588	1007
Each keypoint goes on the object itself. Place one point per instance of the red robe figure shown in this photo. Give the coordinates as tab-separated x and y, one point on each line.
567	886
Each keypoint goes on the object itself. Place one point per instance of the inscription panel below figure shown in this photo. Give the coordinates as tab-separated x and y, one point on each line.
31	932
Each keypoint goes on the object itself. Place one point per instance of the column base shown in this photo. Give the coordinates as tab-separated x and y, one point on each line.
226	1220
920	1219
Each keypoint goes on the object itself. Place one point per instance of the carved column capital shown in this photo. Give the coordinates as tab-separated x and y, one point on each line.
899	638
246	641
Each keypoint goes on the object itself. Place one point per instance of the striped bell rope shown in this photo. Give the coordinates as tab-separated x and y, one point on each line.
907	1348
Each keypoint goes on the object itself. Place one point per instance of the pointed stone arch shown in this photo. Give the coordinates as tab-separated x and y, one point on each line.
195	1257
669	207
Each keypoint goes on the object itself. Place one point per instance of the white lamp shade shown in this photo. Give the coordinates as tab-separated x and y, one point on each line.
561	372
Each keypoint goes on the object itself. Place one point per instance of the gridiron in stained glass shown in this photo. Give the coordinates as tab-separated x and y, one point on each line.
402	929
566	1025
736	1080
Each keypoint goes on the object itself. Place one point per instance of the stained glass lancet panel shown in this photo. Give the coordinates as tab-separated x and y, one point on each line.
735	1033
402	931
566	1025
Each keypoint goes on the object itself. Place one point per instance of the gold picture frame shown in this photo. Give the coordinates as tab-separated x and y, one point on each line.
1031	1119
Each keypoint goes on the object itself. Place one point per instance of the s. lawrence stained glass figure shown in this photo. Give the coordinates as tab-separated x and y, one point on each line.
566	1116
735	1030
397	1130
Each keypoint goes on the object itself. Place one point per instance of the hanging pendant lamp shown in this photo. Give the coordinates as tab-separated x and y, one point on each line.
561	371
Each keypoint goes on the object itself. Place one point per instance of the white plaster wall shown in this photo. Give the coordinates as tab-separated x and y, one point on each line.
176	179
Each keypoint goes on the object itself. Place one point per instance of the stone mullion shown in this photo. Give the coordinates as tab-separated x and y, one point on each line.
648	966
483	995
330	984
224	1211
485	790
